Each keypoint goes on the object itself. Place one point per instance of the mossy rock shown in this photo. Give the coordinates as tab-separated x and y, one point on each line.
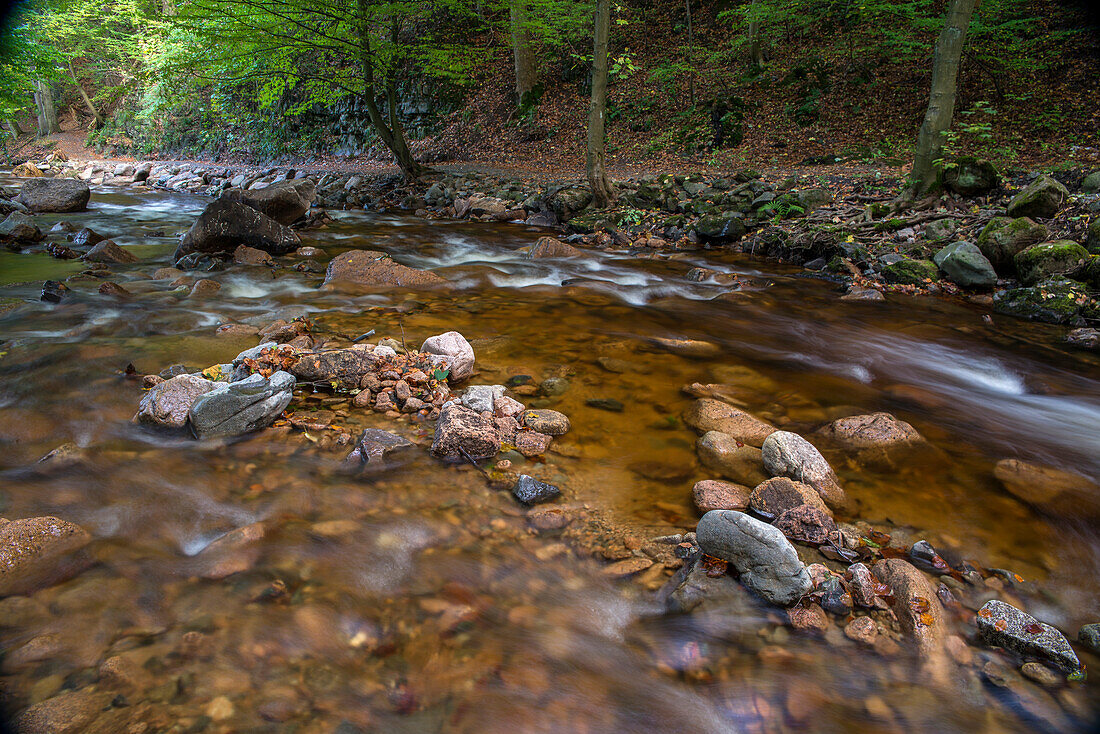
1091	184
811	199
911	272
878	209
890	225
594	222
1092	236
726	227
941	229
1041	199
1055	301
1049	259
971	177
1091	272
964	264
1004	237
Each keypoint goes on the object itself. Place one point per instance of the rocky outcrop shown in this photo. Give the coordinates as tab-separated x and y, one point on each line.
37	551
224	225
54	195
233	409
169	402
766	561
377	270
283	201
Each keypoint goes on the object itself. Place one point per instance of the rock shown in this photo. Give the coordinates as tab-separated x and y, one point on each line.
713	415
1041	674
455	352
283	201
964	264
940	229
37	551
108	252
530	491
713	494
241	407
27	170
767	562
728	227
245	255
346	366
86	237
919	612
550	422
910	272
509	408
548	247
1053	491
863	587
730	458
568	202
609	404
167	273
1089	636
54	195
971	177
376	447
806	524
862	629
114	289
789	455
236	551
204	287
309	252
779	494
224	225
461	429
532	443
377	269
1091	183
872	431
1048	259
694	348
1084	338
1054	301
482	398
1003	237
168	403
1040	200
1003	625
53	291
69	712
808	618
20	227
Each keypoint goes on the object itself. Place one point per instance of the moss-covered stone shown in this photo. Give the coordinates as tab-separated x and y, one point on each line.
940	229
1040	199
1056	301
1048	259
728	226
911	272
971	177
878	209
964	264
1091	184
589	223
1091	272
1004	237
890	225
1092	236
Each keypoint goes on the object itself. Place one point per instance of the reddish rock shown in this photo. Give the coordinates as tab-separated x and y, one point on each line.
245	255
919	613
873	431
862	629
37	551
808	617
532	443
236	551
377	269
714	494
806	524
461	429
706	414
779	494
547	247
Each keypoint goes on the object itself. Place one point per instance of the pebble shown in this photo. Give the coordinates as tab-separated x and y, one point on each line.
1041	674
862	629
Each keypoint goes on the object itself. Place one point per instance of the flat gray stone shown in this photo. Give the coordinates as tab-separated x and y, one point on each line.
241	407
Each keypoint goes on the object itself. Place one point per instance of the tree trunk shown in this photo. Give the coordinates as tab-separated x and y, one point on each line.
596	160
13	128
47	112
526	70
691	52
941	102
87	100
756	50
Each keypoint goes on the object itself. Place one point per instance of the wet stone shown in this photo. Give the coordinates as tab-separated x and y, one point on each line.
1089	636
1003	625
376	446
1041	674
609	404
37	551
806	524
532	443
714	494
550	422
167	403
862	629
530	491
243	406
775	496
461	431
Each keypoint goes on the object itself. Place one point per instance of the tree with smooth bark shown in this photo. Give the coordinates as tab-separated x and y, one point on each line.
596	158
523	51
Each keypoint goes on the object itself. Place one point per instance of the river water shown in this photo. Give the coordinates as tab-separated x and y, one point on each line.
421	599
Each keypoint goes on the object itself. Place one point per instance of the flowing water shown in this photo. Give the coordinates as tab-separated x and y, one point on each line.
420	599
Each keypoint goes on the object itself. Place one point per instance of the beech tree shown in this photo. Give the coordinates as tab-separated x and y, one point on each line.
596	159
523	51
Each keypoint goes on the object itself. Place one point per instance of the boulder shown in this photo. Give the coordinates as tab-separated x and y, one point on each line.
224	225
548	247
919	612
283	201
245	255
1091	183
872	431
568	202
108	252
459	430
377	269
376	447
86	237
169	402
233	409
1084	338
530	491
1003	237
54	195
714	494
706	414
728	227
730	458
787	454
971	177
20	227
766	561
910	272
1050	259
1003	625
482	398
454	353
1092	236
964	264
1055	301
37	551
775	496
550	422
1053	491
1039	200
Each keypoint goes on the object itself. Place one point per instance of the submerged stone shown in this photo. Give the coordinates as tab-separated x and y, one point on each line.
1003	625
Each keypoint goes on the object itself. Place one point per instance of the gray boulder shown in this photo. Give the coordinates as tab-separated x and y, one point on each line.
233	409
284	201
971	177
224	225
1039	200
765	559
454	352
963	263
1003	625
169	402
54	195
481	398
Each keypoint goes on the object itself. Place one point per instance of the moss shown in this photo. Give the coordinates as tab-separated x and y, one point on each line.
1092	236
911	272
1046	259
1055	301
890	225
